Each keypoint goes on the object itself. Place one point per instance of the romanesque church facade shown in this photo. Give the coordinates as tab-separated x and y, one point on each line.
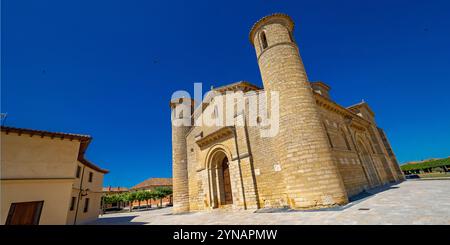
322	155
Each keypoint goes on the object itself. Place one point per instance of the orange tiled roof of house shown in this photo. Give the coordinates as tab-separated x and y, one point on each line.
153	182
114	189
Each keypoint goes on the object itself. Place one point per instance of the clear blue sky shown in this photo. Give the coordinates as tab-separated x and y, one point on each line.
108	68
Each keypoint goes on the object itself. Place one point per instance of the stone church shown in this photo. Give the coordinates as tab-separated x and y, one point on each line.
322	155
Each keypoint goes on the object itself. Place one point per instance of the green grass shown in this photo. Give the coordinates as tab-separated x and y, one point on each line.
434	175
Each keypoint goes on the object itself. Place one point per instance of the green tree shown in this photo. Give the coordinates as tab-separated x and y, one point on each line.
149	195
114	198
106	199
141	195
130	197
123	197
110	199
162	192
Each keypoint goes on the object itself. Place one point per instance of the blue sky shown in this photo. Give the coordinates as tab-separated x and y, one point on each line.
108	68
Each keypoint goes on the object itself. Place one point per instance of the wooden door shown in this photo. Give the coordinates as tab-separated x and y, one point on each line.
227	182
24	213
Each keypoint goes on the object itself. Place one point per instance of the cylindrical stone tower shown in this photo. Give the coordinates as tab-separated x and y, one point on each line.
181	123
311	177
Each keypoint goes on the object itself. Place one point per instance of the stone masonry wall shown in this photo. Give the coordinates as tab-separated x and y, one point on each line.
316	160
310	175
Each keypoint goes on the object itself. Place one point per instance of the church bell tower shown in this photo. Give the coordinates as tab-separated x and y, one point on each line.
311	177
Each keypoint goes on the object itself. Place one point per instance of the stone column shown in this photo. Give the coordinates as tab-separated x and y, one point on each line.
181	124
312	179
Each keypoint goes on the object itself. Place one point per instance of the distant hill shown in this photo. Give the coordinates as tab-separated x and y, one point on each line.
426	164
426	160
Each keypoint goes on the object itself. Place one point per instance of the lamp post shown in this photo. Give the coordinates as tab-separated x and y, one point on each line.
81	194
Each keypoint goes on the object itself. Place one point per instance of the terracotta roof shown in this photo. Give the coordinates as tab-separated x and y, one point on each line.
92	165
357	104
153	182
83	138
45	133
320	83
243	86
361	104
346	111
114	189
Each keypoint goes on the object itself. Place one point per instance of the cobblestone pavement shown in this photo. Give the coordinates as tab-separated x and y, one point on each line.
410	202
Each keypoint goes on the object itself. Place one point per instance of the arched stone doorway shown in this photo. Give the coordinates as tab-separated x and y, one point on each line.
220	185
368	165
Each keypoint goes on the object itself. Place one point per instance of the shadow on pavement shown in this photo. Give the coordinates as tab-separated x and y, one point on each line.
123	220
368	193
352	201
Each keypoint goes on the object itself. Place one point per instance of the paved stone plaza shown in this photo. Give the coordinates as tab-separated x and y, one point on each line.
411	202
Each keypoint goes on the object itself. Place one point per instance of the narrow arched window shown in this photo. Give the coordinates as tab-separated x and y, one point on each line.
263	40
371	146
328	135
291	37
346	140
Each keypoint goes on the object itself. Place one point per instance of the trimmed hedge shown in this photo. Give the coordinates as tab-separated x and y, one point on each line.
425	165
